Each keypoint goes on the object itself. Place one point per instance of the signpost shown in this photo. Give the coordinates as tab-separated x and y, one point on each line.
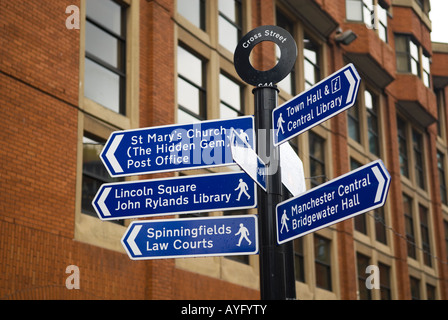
193	237
187	194
276	262
225	142
324	100
174	147
356	192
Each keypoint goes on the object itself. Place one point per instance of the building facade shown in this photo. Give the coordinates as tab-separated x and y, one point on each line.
141	63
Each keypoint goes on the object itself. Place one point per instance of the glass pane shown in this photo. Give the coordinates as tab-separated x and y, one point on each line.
229	92
353	123
94	173
401	44
102	86
368	100
91	162
107	13
414	50
414	67
354	10
188	96
229	8
227	113
228	34
425	63
382	15
192	10
380	226
311	55
286	84
183	117
323	262
189	66
102	45
310	76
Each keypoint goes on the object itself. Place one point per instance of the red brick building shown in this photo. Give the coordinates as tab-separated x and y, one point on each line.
141	63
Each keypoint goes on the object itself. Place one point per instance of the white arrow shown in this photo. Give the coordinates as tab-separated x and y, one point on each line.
131	240
110	154
381	183
101	202
247	159
352	82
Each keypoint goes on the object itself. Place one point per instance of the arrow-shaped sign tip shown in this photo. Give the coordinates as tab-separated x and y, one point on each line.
110	154
131	240
382	183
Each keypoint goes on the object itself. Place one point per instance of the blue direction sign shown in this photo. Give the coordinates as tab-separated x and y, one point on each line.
194	237
342	198
186	194
174	147
324	100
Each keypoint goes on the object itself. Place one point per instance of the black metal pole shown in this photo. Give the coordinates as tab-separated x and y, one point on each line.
277	281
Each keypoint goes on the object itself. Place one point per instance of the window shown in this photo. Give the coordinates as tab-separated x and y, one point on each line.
191	93
418	158
402	147
317	159
445	226
371	104
229	23
442	177
309	48
440	96
424	230
371	13
299	262
411	58
430	292
194	11
288	83
231	98
409	226
311	62
362	263
94	173
381	15
415	288
380	225
426	70
385	289
411	153
363	123
105	54
353	122
359	10
322	251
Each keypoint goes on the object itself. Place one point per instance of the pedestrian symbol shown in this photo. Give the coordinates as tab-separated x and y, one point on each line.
243	234
283	221
280	123
242	186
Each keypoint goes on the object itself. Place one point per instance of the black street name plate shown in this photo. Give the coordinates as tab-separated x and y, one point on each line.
288	50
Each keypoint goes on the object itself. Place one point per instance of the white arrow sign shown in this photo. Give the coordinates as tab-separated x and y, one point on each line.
293	176
248	159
